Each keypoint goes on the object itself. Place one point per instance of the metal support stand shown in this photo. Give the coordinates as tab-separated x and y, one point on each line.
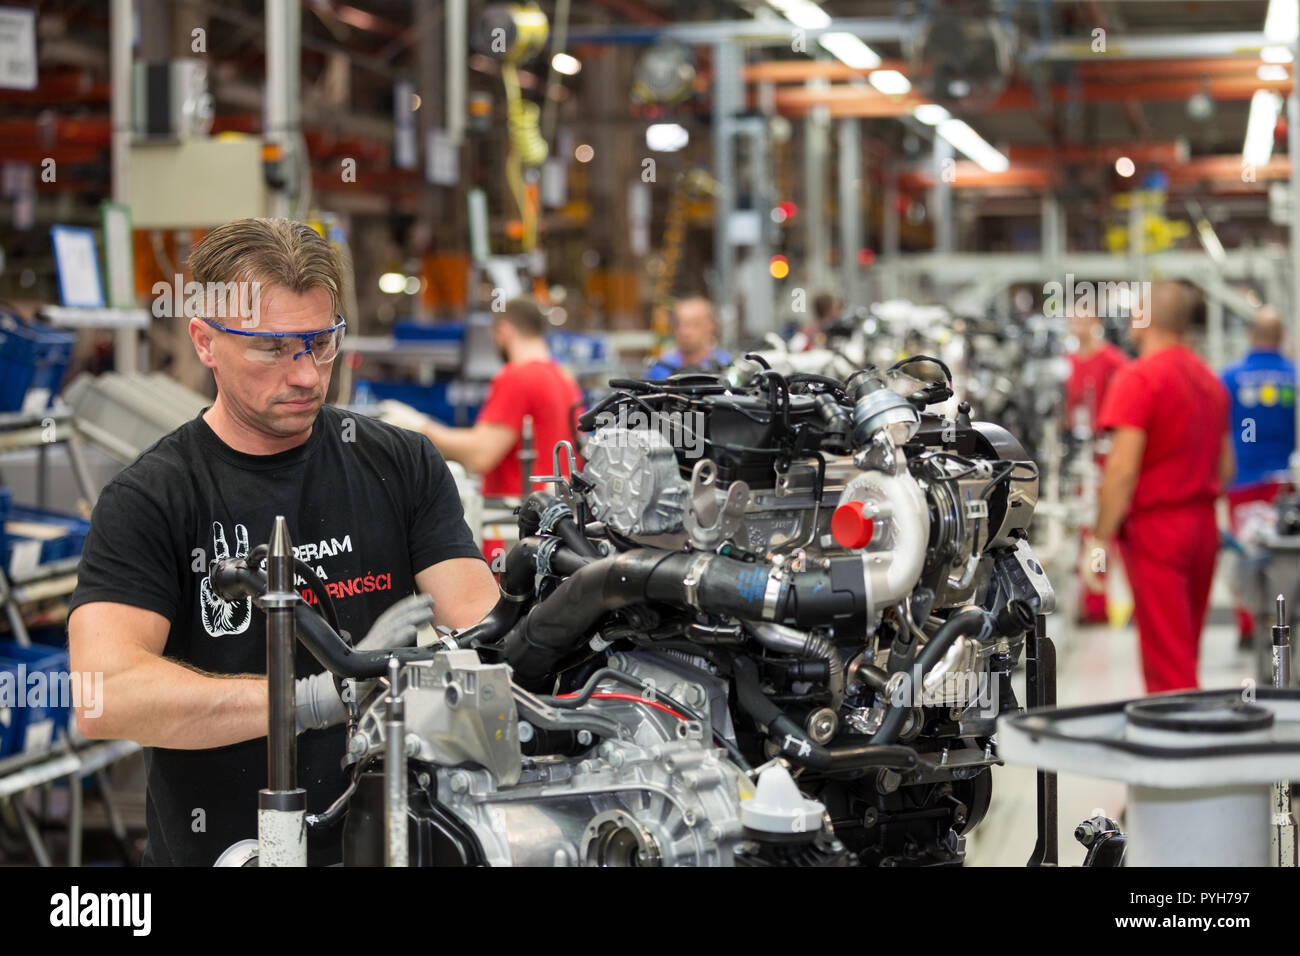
1282	842
282	806
396	844
1040	690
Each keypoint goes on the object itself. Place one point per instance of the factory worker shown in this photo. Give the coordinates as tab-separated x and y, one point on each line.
695	333
1169	458
372	510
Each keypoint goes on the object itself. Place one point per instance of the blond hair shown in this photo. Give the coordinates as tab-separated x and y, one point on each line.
270	252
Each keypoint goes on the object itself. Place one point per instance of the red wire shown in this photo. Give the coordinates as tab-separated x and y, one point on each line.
619	695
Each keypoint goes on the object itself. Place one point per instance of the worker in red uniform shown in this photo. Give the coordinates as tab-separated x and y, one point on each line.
1093	363
531	384
1170	455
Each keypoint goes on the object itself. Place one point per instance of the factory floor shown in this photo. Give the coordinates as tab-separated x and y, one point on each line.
1096	664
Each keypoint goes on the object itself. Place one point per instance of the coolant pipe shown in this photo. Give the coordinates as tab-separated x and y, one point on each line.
971	622
794	744
808	646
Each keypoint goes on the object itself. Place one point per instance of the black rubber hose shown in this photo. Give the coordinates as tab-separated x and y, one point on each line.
967	623
560	623
793	742
565	527
516	591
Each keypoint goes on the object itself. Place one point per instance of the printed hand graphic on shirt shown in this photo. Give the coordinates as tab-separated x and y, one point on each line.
222	617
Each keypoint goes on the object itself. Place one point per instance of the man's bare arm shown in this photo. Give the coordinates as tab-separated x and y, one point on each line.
479	449
1118	479
463	590
154	701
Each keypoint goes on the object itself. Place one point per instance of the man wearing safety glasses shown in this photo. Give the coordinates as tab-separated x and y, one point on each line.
372	511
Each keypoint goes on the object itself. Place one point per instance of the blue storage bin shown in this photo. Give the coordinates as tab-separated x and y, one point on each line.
452	403
429	332
66	543
26	723
31	356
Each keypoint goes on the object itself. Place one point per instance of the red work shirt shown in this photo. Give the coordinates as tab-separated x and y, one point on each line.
546	392
1089	379
1183	409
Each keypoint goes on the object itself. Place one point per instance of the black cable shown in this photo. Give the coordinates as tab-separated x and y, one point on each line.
622	677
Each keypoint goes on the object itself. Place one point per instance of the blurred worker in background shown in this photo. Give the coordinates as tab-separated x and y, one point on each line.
1093	364
530	385
695	333
826	309
1169	457
1262	424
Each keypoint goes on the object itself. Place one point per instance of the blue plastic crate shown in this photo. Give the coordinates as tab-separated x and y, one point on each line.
429	332
31	356
67	542
452	403
34	710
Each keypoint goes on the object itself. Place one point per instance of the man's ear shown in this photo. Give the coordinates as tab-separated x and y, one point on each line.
201	334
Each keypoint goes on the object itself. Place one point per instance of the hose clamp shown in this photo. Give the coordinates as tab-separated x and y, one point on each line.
553	513
775	584
691	582
544	552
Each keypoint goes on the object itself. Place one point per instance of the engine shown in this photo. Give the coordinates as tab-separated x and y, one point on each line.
772	621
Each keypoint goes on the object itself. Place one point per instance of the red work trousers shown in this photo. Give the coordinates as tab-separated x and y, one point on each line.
1169	557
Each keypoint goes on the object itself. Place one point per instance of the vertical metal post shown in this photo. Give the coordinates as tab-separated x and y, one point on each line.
726	103
890	229
816	146
457	52
283	97
850	211
396	844
121	34
1040	689
1214	349
1282	833
282	806
760	288
944	228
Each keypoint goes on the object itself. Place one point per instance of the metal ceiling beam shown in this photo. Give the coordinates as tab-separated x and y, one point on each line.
760	32
1162	46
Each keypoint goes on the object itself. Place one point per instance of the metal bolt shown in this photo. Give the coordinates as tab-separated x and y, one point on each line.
870	818
525	731
359	744
713	833
422	779
689	817
584	738
412	743
459	782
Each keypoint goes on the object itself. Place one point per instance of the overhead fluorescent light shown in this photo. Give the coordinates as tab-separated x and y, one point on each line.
1272	71
1281	22
849	50
1264	109
972	144
931	114
566	64
802	13
889	82
666	137
1276	54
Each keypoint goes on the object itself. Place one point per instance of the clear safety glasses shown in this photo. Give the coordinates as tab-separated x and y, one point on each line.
271	348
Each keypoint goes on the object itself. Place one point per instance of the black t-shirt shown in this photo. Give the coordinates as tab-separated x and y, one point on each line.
368	506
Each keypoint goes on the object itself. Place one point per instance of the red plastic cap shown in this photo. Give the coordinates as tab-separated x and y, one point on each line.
849	528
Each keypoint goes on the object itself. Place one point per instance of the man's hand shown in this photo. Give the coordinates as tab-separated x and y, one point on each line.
317	699
393	412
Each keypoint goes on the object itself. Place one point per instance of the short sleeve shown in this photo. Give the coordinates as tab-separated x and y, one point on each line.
438	528
1128	402
131	555
506	402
